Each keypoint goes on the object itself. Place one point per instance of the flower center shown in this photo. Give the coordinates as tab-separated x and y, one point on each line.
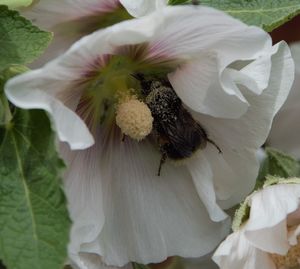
290	260
111	77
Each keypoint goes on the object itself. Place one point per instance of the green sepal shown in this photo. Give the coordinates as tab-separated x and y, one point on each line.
272	180
241	215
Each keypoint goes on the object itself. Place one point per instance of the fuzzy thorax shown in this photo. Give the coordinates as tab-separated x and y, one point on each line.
133	117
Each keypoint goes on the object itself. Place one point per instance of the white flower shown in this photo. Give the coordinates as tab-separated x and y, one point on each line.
284	134
270	237
228	75
70	20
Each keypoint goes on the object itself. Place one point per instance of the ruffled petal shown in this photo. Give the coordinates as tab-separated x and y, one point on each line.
92	261
29	91
198	32
267	226
69	20
239	139
202	176
48	14
229	41
197	84
284	134
43	88
293	235
140	8
236	253
84	191
147	217
293	218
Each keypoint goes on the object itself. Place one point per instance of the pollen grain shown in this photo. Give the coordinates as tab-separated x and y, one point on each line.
134	118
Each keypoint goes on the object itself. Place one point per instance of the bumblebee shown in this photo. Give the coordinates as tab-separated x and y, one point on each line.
178	134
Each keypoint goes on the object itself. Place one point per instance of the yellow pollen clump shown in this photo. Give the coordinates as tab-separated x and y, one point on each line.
134	118
290	260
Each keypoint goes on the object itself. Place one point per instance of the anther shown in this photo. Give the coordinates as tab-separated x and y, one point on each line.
134	118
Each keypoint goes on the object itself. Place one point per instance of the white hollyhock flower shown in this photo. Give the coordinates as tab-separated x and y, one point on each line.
228	75
284	134
270	237
70	20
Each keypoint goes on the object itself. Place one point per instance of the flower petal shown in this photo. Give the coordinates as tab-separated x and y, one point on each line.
198	32
139	8
48	14
239	139
202	176
255	75
147	217
228	40
294	234
267	226
70	20
197	84
26	92
92	261
236	253
84	191
42	88
284	132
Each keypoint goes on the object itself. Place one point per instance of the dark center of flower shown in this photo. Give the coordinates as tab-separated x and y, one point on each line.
112	76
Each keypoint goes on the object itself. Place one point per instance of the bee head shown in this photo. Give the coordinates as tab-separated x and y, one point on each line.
145	83
155	84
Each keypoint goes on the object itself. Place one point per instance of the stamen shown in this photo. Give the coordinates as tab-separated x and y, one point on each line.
290	260
133	117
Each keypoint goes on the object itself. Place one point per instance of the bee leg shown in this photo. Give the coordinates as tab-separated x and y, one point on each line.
123	137
162	161
214	144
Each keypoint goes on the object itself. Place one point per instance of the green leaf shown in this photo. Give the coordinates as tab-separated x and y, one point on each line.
267	14
33	214
20	41
15	3
280	165
6	74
